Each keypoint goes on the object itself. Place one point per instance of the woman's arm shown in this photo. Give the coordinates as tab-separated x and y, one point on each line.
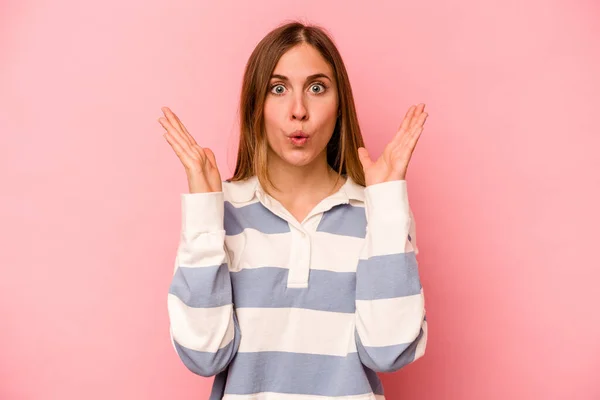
203	325
391	328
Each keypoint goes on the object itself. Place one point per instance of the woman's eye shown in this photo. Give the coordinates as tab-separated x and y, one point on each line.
278	89
317	85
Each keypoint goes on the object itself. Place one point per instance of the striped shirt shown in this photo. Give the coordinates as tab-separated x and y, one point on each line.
278	309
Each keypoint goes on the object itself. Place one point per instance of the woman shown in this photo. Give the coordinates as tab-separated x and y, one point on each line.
292	280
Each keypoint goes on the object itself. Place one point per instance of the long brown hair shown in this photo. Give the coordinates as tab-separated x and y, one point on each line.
342	149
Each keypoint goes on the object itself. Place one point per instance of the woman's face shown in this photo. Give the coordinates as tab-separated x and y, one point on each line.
301	107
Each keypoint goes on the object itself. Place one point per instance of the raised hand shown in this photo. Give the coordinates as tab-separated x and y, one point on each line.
393	162
199	162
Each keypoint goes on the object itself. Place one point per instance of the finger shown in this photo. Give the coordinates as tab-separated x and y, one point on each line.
364	158
175	133
170	116
419	122
189	136
408	143
406	124
211	157
184	157
407	118
177	136
411	143
418	113
177	122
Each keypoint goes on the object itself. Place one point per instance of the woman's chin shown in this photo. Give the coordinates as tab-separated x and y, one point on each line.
296	157
298	160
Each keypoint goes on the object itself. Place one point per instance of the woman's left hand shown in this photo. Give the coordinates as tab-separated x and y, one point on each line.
393	162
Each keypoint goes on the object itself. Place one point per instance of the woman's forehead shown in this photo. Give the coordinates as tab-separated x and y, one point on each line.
301	62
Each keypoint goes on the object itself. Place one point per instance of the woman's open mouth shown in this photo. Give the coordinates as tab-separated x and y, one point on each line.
298	138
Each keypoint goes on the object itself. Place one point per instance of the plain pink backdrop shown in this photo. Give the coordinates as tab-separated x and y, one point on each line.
504	183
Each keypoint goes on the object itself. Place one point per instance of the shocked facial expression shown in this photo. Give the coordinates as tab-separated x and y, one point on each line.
301	107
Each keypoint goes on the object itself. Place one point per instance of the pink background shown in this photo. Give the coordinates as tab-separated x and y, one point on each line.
504	183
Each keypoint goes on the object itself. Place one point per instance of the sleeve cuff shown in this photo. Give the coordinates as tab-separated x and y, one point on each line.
202	212
387	203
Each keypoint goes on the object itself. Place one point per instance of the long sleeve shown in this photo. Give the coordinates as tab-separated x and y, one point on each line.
391	327
203	325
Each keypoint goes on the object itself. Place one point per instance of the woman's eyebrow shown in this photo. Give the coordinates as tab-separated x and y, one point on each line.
308	78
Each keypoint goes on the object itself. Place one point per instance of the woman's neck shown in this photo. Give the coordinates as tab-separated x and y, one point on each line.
311	182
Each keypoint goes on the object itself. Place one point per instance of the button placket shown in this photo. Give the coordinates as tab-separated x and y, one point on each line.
300	252
299	265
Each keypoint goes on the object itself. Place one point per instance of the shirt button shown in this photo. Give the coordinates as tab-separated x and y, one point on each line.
302	234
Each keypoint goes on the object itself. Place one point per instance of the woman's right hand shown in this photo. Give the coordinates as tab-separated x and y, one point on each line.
199	163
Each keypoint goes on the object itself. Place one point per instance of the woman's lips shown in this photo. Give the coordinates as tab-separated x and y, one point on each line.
298	140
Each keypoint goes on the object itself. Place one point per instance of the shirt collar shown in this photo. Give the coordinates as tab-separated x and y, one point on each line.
246	190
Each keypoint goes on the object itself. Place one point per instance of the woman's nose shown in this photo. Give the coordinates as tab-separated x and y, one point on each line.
299	111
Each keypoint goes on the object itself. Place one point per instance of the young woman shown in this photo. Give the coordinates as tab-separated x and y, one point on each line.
292	279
